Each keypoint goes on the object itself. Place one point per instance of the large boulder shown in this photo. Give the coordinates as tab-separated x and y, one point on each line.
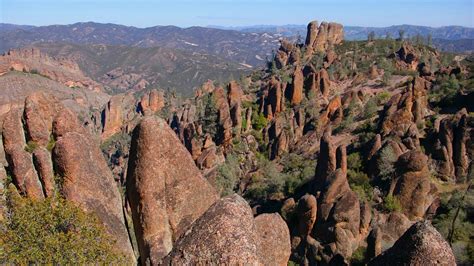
421	244
413	189
274	239
167	192
228	234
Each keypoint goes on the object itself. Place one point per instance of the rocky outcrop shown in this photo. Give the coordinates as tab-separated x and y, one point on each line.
405	109
453	146
413	187
421	244
224	134
62	70
297	87
116	113
228	234
88	182
306	211
152	102
234	94
273	239
20	161
320	38
407	56
167	193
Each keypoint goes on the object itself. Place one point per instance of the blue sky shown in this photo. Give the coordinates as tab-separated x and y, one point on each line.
143	13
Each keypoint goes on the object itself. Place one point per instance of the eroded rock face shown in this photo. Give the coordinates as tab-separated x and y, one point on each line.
413	188
319	38
405	109
20	161
225	122
297	87
167	193
88	182
152	102
421	244
84	175
115	114
453	146
274	239
228	234
234	94
224	234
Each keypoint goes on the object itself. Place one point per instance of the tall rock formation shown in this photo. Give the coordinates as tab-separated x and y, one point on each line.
167	193
320	38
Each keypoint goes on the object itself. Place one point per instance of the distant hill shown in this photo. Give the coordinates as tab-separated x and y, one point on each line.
121	68
449	38
360	33
242	47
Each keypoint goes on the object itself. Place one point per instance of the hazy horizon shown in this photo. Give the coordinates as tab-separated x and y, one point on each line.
241	13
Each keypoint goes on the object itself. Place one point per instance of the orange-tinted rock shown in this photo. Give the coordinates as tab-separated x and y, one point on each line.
39	113
274	239
297	87
275	95
20	162
224	234
421	244
112	116
44	166
88	182
320	38
167	193
225	122
234	94
452	145
306	211
414	186
152	102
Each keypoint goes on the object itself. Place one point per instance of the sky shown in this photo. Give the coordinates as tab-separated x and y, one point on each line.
185	13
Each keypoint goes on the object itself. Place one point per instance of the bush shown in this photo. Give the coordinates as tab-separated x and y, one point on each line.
386	163
228	175
31	146
359	256
358	180
52	231
392	204
258	121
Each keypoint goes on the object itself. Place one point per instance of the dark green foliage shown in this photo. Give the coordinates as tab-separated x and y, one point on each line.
358	180
209	115
391	204
228	175
463	235
258	121
445	91
53	231
386	163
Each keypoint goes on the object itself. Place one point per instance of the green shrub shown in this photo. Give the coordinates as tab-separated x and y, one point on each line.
31	146
228	175
386	163
259	121
51	144
359	256
392	204
52	231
